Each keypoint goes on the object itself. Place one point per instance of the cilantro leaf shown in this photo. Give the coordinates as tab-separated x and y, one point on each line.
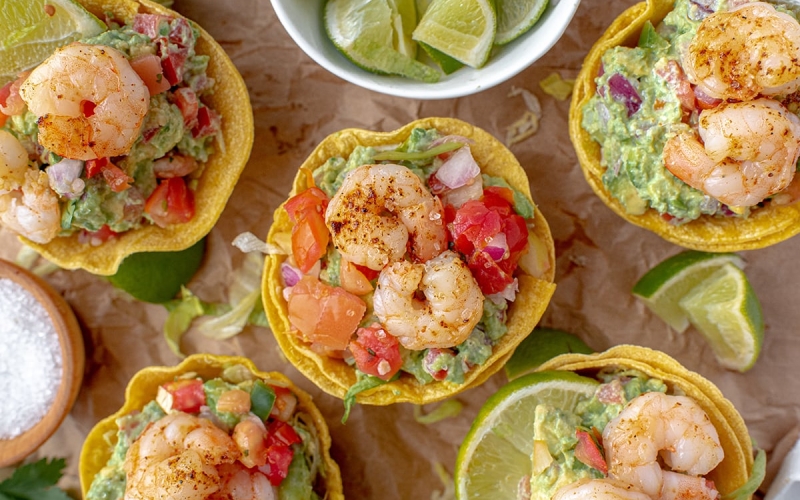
35	481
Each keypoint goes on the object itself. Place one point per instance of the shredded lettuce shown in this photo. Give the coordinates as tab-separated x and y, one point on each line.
417	156
181	314
364	383
449	491
449	408
756	478
243	295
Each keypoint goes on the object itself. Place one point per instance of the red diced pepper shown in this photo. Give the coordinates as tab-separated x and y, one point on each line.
279	457
187	394
281	433
588	452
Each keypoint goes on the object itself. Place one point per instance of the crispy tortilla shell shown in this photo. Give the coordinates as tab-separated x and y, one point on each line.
764	227
143	387
735	467
334	376
231	101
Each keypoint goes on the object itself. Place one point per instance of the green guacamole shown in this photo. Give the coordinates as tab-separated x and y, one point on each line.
632	141
557	429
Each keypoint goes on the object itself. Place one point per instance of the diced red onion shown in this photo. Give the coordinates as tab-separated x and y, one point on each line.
451	138
497	247
509	293
622	90
64	178
291	275
287	292
459	169
470	191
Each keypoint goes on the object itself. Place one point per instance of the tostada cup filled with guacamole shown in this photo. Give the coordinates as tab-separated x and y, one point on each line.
128	139
212	426
407	265
627	423
684	126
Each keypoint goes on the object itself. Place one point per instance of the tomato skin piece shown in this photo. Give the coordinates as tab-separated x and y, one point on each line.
186	100
281	433
310	235
187	394
488	273
172	202
323	313
148	67
375	350
588	452
279	457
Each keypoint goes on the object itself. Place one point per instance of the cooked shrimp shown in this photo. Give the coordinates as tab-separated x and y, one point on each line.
31	209
684	487
452	307
655	424
378	209
240	483
177	457
13	162
745	52
599	489
89	101
749	151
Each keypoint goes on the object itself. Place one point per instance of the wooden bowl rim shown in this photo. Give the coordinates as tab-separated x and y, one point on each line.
70	340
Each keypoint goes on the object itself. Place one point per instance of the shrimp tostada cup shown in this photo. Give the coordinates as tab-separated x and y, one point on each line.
166	191
303	469
625	373
379	374
648	195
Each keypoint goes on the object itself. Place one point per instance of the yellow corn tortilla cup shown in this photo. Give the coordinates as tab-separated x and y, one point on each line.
143	388
231	101
735	467
764	227
334	376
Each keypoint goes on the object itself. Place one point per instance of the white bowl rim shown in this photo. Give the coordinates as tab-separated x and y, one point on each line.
466	81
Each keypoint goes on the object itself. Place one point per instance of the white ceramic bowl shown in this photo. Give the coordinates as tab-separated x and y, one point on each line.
303	20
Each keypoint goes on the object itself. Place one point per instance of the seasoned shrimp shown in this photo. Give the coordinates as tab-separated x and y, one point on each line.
599	489
13	162
89	101
452	307
31	209
672	427
749	151
378	209
240	483
684	487
177	458
745	52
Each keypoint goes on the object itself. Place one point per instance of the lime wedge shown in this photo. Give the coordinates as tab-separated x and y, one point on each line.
374	36
496	454
158	276
31	30
445	62
515	17
541	345
461	29
726	311
663	286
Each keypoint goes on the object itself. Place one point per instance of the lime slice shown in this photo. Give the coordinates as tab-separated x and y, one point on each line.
372	35
663	286
31	30
515	17
461	29
158	276
541	345
726	311
445	62
496	454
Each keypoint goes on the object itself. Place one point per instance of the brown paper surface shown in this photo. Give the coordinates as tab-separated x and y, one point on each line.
382	451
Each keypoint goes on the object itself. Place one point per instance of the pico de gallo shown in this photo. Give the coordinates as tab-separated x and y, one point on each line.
329	299
289	455
153	182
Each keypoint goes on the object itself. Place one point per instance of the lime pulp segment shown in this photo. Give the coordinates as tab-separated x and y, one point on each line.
461	29
515	17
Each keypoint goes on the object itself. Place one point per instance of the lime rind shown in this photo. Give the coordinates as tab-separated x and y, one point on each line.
463	30
663	286
516	17
496	453
445	62
28	35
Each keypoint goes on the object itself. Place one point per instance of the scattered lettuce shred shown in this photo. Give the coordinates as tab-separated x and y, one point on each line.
419	155
181	314
448	409
554	85
27	257
746	490
449	491
363	383
36	480
528	123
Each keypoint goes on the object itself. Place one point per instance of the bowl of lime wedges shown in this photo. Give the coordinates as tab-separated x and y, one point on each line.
425	49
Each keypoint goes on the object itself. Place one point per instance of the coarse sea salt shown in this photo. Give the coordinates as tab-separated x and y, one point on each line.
30	360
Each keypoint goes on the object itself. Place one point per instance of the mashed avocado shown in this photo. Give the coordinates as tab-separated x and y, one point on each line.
636	111
556	428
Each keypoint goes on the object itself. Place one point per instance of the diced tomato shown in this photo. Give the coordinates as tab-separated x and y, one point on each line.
499	197
677	81
310	235
588	452
4	93
473	226
174	165
279	457
376	352
94	167
148	24
431	356
207	123
96	238
352	279
180	33
173	61
186	100
187	394
11	103
284	405
436	186
116	179
325	314
172	202
148	67
488	273
368	273
281	433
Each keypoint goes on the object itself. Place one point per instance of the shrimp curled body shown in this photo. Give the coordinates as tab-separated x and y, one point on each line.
599	489
672	427
745	52
89	100
378	210
748	152
452	307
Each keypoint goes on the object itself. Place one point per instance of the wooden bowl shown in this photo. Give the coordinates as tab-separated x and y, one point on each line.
72	361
